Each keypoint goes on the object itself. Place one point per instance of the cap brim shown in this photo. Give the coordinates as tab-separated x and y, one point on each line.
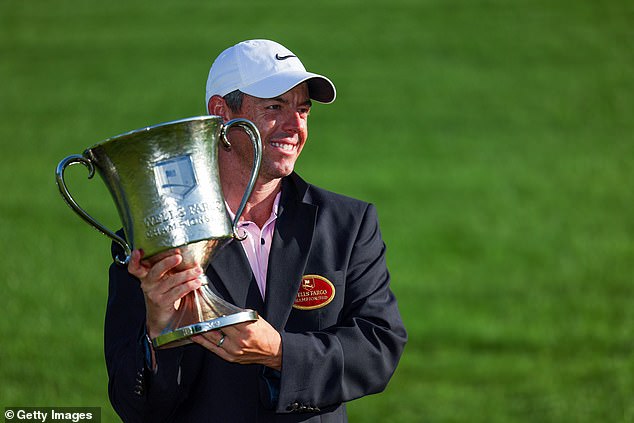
320	88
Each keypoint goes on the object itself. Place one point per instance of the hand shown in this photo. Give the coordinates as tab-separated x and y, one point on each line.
245	343
163	285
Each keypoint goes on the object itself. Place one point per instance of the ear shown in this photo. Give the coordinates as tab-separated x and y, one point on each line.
218	107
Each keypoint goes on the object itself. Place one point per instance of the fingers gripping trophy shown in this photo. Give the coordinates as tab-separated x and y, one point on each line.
165	183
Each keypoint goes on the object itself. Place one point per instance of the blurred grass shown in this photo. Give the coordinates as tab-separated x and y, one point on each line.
495	138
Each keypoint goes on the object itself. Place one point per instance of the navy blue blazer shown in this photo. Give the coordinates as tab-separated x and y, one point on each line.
344	350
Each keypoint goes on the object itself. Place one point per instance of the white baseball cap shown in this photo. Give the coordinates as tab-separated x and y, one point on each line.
264	69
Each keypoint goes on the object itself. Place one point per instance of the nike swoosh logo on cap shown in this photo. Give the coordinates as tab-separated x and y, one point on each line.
278	57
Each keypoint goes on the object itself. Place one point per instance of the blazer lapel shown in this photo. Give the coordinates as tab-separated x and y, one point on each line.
289	253
233	269
230	272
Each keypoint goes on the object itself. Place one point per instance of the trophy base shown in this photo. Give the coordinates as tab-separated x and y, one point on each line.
181	336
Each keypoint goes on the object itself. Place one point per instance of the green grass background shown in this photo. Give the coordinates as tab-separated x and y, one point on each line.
495	137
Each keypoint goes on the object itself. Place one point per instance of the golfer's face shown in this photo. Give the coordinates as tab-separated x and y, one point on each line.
283	125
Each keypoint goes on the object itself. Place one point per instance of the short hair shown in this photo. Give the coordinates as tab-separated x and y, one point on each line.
234	100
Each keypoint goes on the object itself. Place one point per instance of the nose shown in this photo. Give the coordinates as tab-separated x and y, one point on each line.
294	122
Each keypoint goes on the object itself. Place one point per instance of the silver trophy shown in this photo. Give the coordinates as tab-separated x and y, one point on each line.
165	183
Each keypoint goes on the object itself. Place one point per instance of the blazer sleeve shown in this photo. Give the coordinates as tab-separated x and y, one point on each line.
137	394
359	354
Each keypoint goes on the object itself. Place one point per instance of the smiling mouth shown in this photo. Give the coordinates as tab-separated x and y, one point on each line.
283	146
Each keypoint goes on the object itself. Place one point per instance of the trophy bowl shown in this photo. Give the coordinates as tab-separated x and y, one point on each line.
165	183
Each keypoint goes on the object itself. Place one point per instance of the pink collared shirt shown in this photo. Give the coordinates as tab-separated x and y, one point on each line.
257	244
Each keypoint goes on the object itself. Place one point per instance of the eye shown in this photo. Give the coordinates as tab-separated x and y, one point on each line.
274	107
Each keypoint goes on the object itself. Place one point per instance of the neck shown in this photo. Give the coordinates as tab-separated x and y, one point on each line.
259	205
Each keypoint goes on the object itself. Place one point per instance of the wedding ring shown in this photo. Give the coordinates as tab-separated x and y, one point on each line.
222	340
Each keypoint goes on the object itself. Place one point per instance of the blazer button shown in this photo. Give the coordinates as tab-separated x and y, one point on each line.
292	407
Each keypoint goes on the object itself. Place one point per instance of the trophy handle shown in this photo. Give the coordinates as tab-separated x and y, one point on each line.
254	135
61	184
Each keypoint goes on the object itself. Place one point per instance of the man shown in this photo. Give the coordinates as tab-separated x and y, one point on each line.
305	356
